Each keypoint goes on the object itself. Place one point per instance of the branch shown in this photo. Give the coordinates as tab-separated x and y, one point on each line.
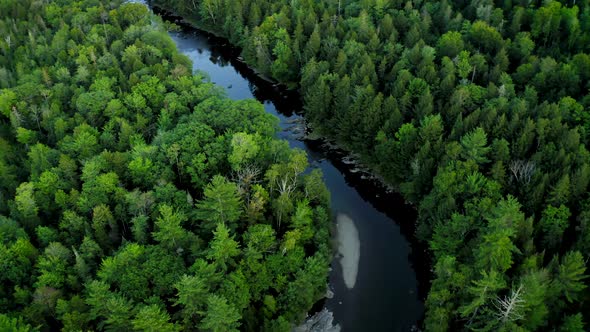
509	307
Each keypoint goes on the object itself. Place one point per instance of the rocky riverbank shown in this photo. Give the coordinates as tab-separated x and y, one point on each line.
320	322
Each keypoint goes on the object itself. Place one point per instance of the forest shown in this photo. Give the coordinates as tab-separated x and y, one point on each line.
134	195
476	111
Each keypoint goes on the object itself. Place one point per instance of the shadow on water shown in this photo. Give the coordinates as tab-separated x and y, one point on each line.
393	269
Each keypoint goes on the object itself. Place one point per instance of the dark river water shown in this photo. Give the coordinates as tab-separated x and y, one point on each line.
386	295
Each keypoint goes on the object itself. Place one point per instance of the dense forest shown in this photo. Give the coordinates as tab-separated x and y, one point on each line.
133	194
476	111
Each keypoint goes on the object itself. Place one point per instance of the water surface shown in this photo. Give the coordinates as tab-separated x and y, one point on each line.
384	294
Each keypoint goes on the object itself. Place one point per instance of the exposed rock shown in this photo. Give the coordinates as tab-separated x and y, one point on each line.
320	322
348	160
295	119
297	128
329	293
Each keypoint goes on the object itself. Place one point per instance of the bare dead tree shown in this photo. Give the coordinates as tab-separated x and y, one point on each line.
189	199
16	118
415	166
36	115
286	184
246	176
522	170
509	308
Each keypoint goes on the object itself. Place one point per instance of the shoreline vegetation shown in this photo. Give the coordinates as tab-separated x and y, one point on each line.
349	156
195	24
477	112
135	195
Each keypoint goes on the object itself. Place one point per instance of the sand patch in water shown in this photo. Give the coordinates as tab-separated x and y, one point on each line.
349	248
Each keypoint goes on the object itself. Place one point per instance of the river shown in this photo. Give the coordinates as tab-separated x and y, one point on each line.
374	275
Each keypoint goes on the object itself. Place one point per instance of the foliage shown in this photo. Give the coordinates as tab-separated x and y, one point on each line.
133	194
476	111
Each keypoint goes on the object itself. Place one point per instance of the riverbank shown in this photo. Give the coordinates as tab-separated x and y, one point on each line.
388	90
186	22
392	273
311	135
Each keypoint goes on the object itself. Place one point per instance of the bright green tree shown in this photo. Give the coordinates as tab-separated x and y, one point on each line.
221	204
220	316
